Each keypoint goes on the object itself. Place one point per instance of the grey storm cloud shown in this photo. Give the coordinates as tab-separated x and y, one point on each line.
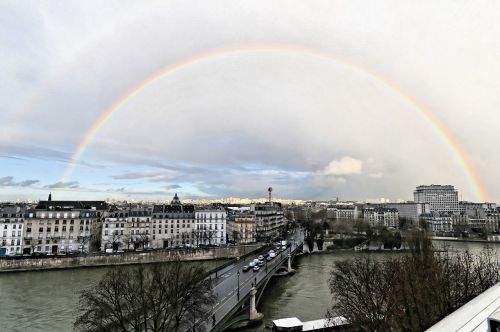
8	181
63	185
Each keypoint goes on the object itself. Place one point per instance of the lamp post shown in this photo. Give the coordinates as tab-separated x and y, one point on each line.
194	316
238	293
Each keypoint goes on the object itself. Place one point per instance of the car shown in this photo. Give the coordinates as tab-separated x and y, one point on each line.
252	264
269	258
261	263
272	255
283	248
256	268
261	258
245	268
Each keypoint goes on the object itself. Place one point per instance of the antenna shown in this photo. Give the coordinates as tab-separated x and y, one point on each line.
270	190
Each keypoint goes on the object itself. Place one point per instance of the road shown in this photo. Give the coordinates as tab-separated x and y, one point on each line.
227	283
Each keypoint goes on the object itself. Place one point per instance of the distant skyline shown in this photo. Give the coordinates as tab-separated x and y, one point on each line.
324	99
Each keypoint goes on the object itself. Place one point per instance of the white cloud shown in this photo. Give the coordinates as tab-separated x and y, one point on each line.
345	166
377	175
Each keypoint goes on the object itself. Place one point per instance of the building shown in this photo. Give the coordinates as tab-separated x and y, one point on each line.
440	198
440	223
11	228
410	210
382	217
242	227
211	225
269	220
343	211
174	225
492	217
59	227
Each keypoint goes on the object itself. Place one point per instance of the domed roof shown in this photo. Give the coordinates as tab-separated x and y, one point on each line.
176	200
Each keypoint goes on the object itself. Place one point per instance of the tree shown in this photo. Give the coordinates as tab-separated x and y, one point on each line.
82	241
236	236
115	240
160	297
95	243
410	292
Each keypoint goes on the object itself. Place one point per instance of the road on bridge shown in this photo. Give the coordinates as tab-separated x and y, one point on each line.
227	282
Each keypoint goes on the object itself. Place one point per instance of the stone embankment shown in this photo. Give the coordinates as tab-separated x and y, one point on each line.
128	258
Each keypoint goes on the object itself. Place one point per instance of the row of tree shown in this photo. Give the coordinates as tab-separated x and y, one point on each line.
409	292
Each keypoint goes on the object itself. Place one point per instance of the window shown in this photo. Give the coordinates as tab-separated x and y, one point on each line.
71	228
40	230
64	228
48	229
14	226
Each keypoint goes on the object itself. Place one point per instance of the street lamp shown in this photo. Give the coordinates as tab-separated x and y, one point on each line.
194	315
238	294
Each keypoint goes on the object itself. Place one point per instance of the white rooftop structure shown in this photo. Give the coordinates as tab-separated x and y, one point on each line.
287	322
473	316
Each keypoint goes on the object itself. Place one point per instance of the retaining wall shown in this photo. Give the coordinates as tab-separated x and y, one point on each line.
46	263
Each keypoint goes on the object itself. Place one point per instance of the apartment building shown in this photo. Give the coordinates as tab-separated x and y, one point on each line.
382	217
242	227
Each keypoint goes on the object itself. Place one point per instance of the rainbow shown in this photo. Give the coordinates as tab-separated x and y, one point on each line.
458	152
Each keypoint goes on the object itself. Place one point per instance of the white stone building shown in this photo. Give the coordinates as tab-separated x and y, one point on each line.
11	230
211	225
382	217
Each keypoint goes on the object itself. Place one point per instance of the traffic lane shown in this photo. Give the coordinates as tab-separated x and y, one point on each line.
232	269
229	298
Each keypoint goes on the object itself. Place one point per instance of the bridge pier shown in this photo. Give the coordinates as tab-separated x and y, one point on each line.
254	314
290	270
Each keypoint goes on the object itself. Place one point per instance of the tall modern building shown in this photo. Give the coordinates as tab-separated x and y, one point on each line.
440	198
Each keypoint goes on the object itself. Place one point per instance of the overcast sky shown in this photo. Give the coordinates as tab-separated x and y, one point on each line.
235	123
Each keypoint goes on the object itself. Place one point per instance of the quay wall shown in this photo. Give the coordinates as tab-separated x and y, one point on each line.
127	258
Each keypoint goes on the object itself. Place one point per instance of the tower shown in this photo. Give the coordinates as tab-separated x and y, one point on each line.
270	189
50	197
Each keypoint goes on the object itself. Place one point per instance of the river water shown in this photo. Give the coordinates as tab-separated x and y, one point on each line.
47	300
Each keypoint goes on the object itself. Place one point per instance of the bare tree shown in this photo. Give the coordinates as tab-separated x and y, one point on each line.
411	292
115	240
82	242
162	297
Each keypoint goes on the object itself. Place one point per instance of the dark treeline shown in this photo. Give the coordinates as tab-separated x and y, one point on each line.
409	292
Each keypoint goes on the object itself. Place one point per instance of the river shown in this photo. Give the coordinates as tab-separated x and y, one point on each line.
47	300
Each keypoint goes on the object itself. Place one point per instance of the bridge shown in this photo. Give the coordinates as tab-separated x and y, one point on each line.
238	293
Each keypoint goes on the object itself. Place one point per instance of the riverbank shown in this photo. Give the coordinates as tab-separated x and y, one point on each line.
460	239
128	258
